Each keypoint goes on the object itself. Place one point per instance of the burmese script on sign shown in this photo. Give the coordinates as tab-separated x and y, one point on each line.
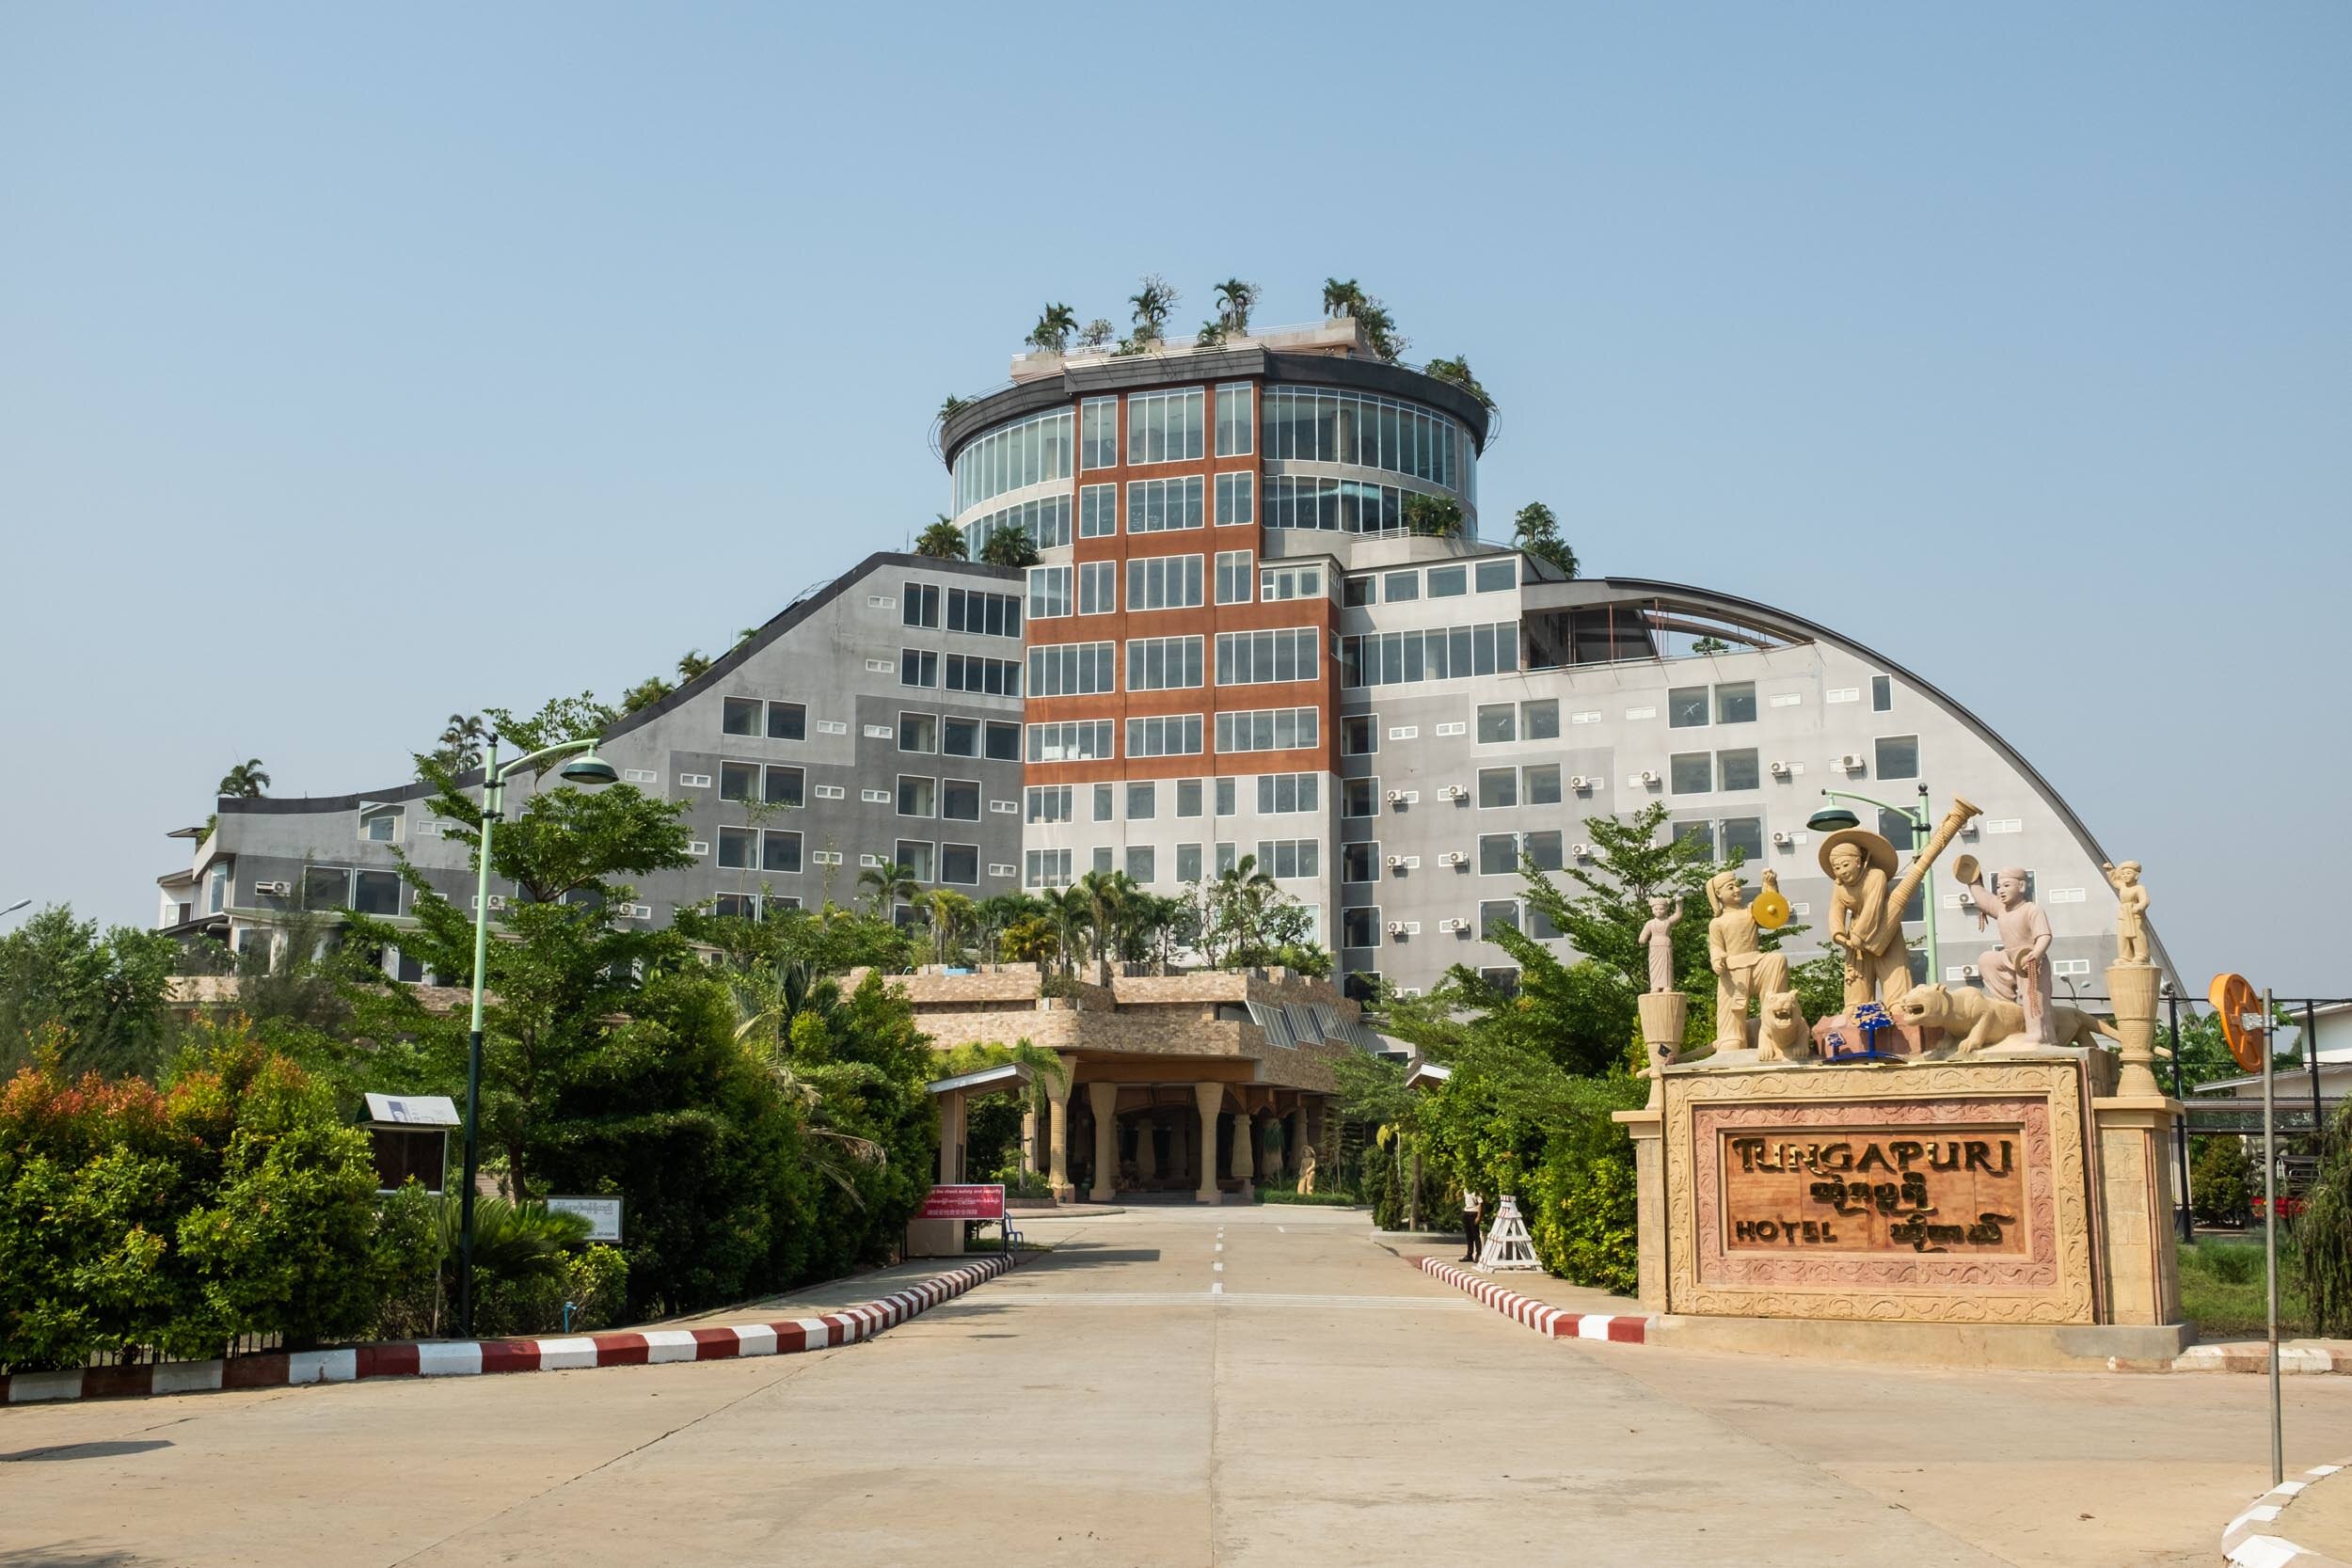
1812	1189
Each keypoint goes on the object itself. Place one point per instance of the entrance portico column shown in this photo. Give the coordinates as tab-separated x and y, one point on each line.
1293	1144
1057	1130
951	1137
1028	1136
1245	1156
1147	1157
1105	1099
1211	1098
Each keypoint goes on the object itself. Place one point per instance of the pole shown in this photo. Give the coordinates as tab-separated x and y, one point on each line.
2180	1123
2310	1048
2270	1234
491	804
1919	828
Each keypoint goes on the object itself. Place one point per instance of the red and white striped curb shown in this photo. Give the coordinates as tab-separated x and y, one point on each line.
2252	1541
1625	1328
2254	1356
470	1358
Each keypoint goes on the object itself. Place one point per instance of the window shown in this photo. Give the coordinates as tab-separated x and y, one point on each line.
959	800
787	721
1744	834
1359	927
1098	511
738	714
1497	722
1098	587
737	846
1048	803
1232	577
1163	663
1735	702
917	857
1187	797
1448	582
1236	499
1045	520
1360	863
960	863
920	605
778	850
1399	587
1898	756
1291	583
1162	506
1497	854
1162	427
1357	591
1073	668
1143	801
917	797
1174	734
1692	772
1105	802
981	614
1737	769
1540	785
375	892
1287	858
918	667
1029	451
1187	863
1359	796
959	737
1004	741
1102	858
1686	707
1142	863
918	732
1098	433
381	826
1164	583
1497	914
1542	849
1257	658
1045	868
1498	786
1289	792
1049	591
1235	427
215	888
325	887
1076	740
1316	425
1882	693
1228	856
1498	575
1435	654
1540	720
1359	733
1265	728
739	781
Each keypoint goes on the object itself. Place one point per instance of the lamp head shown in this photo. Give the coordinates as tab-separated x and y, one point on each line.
588	768
1830	818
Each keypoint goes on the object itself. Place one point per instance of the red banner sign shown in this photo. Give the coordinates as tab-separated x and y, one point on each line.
970	1202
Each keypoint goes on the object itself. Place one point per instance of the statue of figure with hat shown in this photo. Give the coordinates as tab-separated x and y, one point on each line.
1734	950
1864	923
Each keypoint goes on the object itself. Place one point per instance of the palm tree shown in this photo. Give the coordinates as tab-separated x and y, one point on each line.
1457	371
1069	909
1053	329
1151	303
952	405
248	780
694	665
461	741
1340	299
952	916
1010	546
1212	334
1030	938
1236	299
1238	902
889	882
941	541
1108	896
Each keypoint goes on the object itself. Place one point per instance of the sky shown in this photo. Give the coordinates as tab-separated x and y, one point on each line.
361	365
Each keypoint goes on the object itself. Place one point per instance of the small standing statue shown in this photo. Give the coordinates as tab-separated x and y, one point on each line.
2131	912
1659	937
2019	969
1734	951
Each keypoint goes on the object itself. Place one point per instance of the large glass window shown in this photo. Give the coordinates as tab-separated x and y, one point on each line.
781	787
1098	511
993	678
1692	772
1045	868
1359	735
1882	693
1173	735
1744	834
960	863
1448	582
1236	499
738	848
375	892
1266	729
1143	800
1098	426
1143	863
1164	583
1543	848
1029	451
1540	785
1280	793
1437	653
1399	587
739	716
1004	741
1232	577
1497	723
739	781
918	667
1048	803
1049	591
1313	425
1233	424
1498	786
1162	506
959	737
1539	720
1686	707
1098	587
1498	575
1360	927
1737	769
1898	756
1164	427
1290	582
1187	797
959	800
918	604
918	732
1735	702
1497	854
787	721
1497	914
1164	663
1255	658
1359	796
1188	862
778	850
1360	863
1286	858
917	797
1072	740
1073	668
917	857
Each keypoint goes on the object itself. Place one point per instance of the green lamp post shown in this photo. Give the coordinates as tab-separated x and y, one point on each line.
1830	819
585	768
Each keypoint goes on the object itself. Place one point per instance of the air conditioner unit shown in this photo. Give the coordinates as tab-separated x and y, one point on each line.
498	900
1780	770
1782	840
1396	928
1581	851
1454	857
1580	784
273	889
1967	972
1397	863
1453	923
1395	795
1649	777
1452	792
1849	763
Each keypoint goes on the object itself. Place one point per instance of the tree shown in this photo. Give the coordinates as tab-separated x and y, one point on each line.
1010	546
889	883
1536	530
99	998
1150	305
561	719
1341	298
1432	517
941	541
1068	910
952	914
1212	334
1107	894
1705	644
461	742
951	405
693	665
645	693
1053	329
244	781
1630	865
1096	333
1457	371
1236	299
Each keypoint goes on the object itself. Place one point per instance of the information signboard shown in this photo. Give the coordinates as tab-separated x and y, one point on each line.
603	1214
964	1201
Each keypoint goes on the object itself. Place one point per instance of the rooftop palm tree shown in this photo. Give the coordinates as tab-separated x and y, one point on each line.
1151	303
941	541
695	665
889	882
248	780
1053	329
1236	299
1340	299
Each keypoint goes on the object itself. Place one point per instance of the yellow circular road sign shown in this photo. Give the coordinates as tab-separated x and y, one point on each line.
2233	997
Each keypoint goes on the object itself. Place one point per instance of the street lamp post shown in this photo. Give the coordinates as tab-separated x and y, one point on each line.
1917	817
586	767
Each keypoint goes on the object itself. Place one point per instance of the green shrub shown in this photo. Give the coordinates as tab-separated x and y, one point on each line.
1582	1212
2230	1263
2220	1181
2323	1234
1322	1199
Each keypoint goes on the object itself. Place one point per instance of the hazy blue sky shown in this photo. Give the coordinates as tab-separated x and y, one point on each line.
361	364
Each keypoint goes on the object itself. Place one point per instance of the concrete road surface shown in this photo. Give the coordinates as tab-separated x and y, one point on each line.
1171	1387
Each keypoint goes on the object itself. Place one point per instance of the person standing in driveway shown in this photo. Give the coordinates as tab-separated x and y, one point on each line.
1472	1204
